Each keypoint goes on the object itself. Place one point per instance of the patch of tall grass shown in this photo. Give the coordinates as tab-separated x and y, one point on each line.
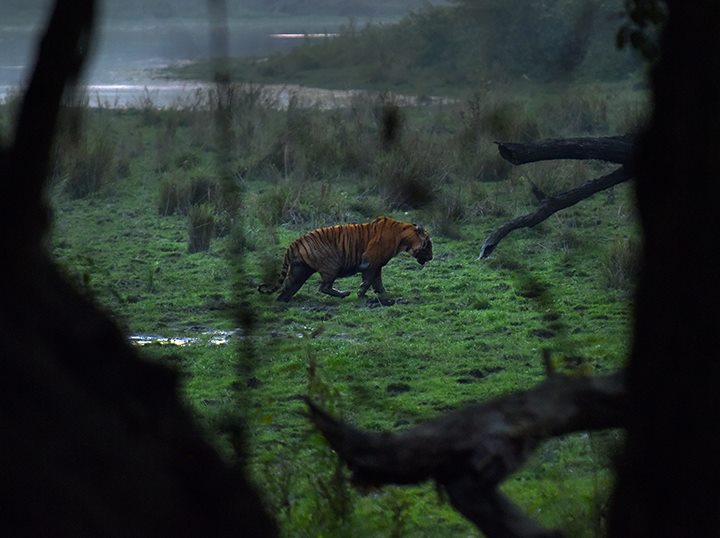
85	166
302	203
621	265
201	226
181	191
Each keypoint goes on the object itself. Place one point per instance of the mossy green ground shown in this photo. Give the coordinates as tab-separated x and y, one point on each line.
459	331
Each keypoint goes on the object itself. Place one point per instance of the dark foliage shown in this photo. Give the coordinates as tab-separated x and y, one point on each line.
95	439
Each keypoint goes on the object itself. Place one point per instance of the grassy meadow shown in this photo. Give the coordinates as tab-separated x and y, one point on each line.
136	193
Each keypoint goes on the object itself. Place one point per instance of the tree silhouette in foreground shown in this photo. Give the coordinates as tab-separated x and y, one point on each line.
95	441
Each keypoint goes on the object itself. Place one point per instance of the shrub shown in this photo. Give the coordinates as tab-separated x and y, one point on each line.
187	160
149	113
86	167
509	121
622	264
302	203
410	175
582	112
487	165
181	192
275	205
554	177
165	147
449	211
482	121
201	224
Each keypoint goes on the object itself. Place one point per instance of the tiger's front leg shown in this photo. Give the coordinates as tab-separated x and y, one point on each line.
377	284
371	277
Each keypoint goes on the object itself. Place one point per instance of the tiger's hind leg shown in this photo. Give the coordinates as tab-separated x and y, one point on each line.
296	277
326	285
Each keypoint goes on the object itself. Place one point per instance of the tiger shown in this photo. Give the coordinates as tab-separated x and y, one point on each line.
346	249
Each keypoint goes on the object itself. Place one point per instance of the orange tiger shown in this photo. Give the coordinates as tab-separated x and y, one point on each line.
346	249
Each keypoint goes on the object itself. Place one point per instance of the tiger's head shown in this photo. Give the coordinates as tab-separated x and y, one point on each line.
419	245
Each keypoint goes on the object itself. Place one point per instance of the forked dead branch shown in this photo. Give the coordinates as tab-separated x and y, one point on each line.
613	149
472	451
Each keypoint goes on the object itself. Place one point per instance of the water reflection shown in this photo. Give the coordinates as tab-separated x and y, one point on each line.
302	36
126	52
213	338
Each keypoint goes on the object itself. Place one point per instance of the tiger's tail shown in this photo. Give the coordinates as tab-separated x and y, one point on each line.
271	288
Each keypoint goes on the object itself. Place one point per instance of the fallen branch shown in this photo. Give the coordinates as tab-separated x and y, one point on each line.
614	149
552	204
471	451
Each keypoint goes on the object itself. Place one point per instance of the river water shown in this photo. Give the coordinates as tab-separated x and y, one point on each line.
127	55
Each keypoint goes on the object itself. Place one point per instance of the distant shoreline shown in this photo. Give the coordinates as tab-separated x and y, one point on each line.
181	94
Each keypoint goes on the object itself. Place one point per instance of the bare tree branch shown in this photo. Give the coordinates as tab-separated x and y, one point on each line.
612	149
552	204
471	451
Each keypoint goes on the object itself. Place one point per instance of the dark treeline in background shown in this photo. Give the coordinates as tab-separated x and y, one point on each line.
457	47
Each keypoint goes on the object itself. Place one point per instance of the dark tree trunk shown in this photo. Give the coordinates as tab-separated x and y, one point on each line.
669	475
612	149
95	440
472	451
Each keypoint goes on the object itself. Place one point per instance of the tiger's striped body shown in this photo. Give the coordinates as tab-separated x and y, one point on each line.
346	249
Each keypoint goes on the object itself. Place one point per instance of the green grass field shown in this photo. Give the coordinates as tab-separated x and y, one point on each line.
457	331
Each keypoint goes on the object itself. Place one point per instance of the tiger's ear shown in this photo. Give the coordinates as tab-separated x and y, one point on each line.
419	229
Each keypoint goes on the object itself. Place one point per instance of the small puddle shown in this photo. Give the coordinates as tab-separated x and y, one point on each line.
212	338
221	338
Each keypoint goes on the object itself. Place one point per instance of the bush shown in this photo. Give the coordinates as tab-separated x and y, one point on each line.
86	167
449	211
410	175
182	192
303	203
554	177
201	225
510	121
622	264
580	112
